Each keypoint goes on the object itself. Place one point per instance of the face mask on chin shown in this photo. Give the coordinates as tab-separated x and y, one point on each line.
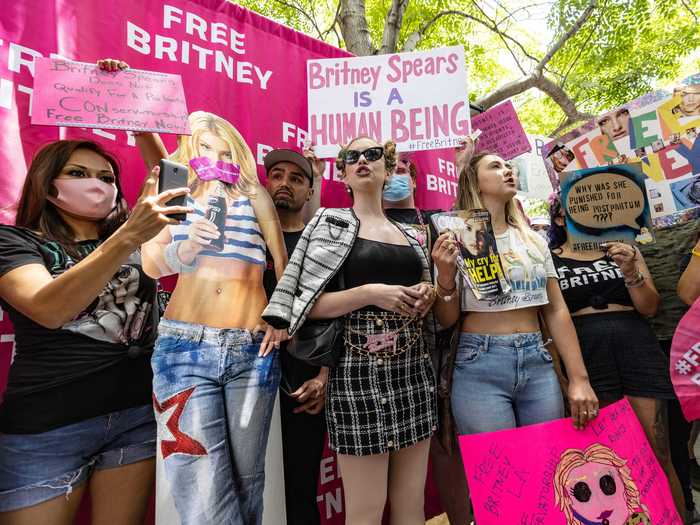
89	198
398	188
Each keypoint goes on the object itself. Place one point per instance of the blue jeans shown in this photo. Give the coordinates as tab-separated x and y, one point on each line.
35	468
503	381
213	398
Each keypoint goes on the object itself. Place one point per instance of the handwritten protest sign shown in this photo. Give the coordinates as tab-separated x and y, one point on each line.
605	204
685	362
77	94
419	100
502	132
552	474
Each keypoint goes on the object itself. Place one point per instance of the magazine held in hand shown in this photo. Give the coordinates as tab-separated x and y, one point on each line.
478	262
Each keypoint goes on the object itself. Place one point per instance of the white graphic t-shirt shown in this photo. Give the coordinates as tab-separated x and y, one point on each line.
527	266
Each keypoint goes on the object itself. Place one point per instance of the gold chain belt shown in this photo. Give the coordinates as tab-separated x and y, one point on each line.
380	342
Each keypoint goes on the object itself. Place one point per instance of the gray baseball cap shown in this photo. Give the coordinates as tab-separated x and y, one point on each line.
287	155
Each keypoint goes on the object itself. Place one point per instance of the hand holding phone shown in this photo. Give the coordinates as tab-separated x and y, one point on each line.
173	176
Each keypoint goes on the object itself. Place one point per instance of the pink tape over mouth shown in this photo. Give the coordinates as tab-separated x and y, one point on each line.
208	170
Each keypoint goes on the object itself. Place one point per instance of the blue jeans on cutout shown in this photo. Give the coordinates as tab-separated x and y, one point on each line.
503	381
213	399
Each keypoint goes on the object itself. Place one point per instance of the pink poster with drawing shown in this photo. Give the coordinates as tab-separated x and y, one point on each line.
552	474
685	362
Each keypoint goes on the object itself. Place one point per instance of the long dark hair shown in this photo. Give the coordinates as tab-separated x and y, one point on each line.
36	213
556	234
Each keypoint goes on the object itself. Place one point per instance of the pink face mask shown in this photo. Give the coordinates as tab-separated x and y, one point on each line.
206	170
90	198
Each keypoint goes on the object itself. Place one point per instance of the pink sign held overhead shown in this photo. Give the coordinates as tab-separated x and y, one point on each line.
685	362
78	94
501	132
552	474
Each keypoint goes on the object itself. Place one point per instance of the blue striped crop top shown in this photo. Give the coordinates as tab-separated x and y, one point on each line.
243	238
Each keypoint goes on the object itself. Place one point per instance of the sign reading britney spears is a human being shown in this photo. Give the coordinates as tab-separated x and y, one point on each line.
79	94
419	100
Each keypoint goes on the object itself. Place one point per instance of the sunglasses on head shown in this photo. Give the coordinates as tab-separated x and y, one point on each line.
352	156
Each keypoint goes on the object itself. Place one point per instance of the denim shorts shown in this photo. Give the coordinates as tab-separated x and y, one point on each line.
35	468
503	381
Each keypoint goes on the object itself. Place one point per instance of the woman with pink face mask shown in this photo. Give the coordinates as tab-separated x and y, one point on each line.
77	410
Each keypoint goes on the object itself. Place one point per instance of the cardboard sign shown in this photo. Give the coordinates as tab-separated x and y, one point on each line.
419	100
502	132
552	474
660	130
77	94
606	204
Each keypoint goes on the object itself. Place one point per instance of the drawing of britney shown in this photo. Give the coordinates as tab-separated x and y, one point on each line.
595	487
216	371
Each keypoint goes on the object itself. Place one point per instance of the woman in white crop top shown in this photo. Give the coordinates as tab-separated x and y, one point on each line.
503	374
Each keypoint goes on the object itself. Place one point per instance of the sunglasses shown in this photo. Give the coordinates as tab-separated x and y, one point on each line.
352	156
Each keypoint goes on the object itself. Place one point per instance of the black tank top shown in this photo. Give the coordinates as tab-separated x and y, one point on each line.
595	283
381	262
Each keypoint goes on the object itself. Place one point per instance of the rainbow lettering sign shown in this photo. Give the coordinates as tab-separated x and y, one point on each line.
77	94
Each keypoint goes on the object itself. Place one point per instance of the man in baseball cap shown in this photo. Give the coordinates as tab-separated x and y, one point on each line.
291	178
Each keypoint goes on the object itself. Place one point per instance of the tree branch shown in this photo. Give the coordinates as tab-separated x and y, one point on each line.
333	24
305	15
392	26
556	46
685	4
494	25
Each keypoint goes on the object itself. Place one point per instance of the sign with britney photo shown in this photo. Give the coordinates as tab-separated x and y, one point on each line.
553	474
479	263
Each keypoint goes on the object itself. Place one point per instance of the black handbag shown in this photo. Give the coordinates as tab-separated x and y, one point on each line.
319	342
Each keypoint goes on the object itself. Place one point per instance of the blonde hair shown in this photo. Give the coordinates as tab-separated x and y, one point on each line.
389	154
469	198
188	148
596	453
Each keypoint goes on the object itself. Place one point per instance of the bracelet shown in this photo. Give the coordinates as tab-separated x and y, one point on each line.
172	259
448	293
636	281
695	252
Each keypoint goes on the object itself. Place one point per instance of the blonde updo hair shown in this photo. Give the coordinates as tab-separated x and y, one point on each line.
389	154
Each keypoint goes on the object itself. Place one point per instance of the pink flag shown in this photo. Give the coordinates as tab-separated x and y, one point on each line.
685	362
552	474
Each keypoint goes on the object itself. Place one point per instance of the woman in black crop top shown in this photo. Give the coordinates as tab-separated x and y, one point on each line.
77	409
608	295
381	403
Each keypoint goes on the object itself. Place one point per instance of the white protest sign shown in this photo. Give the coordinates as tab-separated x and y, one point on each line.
419	100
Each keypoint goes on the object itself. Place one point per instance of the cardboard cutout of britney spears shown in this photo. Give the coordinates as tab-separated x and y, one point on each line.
215	375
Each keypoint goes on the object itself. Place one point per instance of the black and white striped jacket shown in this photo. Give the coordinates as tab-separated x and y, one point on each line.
321	251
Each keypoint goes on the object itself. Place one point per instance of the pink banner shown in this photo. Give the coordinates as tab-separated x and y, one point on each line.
685	362
77	94
502	131
552	474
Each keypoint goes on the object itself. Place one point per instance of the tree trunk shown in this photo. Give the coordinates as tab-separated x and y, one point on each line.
392	26
353	26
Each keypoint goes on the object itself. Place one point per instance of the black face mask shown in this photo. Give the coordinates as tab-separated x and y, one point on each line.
582	492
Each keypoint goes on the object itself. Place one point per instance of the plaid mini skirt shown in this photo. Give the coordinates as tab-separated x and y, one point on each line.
377	400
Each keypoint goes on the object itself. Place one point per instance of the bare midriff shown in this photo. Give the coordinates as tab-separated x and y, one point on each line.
588	310
221	293
523	320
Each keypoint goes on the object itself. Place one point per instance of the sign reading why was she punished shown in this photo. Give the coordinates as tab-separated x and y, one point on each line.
605	204
553	474
77	94
419	100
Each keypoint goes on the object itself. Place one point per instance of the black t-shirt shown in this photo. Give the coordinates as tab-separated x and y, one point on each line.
294	372
94	364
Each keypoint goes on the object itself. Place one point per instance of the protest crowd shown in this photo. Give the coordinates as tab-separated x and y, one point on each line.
387	331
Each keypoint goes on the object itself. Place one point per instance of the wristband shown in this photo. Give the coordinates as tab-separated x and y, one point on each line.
636	281
449	294
172	259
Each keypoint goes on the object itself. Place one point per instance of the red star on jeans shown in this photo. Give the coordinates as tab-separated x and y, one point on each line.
181	442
